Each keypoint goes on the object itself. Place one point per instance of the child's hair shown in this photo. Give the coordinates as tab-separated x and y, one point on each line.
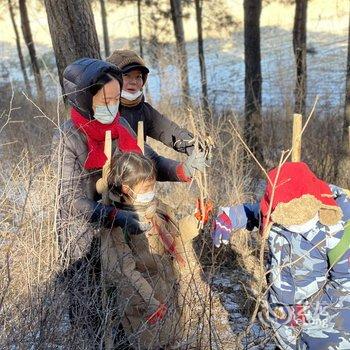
129	169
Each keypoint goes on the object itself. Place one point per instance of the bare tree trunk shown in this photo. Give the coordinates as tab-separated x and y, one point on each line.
205	102
105	27
73	31
176	15
253	79
342	167
28	38
19	49
139	19
346	124
299	46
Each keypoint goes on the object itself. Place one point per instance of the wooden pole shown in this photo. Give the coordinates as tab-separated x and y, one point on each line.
102	188
102	184
296	140
140	136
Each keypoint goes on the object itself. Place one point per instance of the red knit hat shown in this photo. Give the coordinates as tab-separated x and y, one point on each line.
297	196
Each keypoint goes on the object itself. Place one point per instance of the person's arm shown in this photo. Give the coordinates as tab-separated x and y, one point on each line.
243	215
166	131
74	182
169	169
234	218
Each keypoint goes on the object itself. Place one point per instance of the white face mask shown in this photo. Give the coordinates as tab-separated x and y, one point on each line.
144	197
106	114
131	96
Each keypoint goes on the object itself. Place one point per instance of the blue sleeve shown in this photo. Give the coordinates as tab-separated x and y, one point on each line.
244	215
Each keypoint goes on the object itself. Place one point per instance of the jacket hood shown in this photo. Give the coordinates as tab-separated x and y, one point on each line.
79	76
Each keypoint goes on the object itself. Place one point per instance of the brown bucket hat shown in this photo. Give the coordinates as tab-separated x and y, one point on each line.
128	60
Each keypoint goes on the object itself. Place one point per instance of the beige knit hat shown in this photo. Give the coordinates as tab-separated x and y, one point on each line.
128	60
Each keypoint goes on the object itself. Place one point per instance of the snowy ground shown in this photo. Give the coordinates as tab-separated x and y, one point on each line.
225	70
231	292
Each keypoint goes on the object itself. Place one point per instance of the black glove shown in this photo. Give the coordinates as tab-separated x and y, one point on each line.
129	221
109	216
185	143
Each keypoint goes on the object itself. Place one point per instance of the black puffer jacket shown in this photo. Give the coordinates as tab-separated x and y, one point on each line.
78	200
158	127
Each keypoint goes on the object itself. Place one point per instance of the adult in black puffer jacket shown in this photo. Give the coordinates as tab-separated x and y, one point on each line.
92	88
81	148
134	108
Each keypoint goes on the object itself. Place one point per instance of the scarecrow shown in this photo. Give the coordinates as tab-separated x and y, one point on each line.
306	222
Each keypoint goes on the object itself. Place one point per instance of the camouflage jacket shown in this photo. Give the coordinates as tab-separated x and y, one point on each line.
297	263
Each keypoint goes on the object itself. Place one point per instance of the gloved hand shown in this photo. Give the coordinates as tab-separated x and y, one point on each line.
184	143
196	161
222	229
129	221
158	315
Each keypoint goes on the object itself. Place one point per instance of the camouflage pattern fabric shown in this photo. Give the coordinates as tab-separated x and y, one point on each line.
309	301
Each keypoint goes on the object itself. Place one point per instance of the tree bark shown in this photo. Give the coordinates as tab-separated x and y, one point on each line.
205	102
253	78
299	46
73	31
105	27
176	15
139	20
19	49
342	159
346	124
28	38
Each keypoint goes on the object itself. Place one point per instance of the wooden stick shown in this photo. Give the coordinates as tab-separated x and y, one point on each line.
296	140
140	136
102	183
102	188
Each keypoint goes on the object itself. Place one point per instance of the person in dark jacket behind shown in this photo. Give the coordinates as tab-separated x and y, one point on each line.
92	88
134	108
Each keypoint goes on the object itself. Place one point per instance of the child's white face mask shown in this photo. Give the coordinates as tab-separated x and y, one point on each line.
144	197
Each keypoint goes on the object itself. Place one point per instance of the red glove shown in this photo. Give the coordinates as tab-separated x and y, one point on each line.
157	315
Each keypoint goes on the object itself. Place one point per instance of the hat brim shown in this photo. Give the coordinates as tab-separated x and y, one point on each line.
130	67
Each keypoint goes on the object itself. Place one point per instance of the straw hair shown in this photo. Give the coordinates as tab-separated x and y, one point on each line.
302	209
